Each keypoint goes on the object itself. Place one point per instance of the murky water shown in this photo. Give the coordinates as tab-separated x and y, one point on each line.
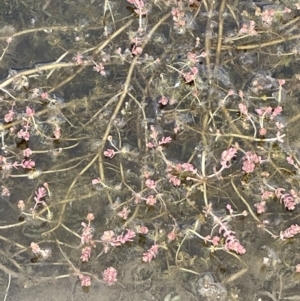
157	139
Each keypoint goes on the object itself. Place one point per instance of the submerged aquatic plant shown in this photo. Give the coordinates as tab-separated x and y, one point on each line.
179	153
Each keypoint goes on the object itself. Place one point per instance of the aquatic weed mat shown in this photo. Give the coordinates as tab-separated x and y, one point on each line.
149	143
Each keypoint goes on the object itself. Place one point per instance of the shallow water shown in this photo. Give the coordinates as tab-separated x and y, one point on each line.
152	128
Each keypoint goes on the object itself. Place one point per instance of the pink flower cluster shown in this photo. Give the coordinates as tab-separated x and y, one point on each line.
290	232
8	117
249	161
109	238
110	276
140	8
190	76
99	67
163	141
260	207
268	15
124	213
43	253
227	156
109	153
231	242
85	280
291	161
174	180
248	29
24	132
85	254
175	172
87	231
151	200
163	100
178	18
25	163
290	200
39	198
269	111
151	253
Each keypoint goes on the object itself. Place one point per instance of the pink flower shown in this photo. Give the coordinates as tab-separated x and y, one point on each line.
260	207
150	145
30	112
191	76
175	181
35	248
233	244
248	29
44	95
124	213
140	7
142	229
243	109
150	200
171	236
90	217
215	240
5	192
128	236
96	181
150	184
87	234
100	69
110	239
107	239
151	253
9	116
250	159
290	232
248	167
84	280
136	49
277	111
78	58
110	153
28	164
165	140
267	194
163	100
110	276
27	152
298	268
85	254
229	208
262	131
267	16
108	236
288	201
227	156
57	133
39	194
23	135
188	167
